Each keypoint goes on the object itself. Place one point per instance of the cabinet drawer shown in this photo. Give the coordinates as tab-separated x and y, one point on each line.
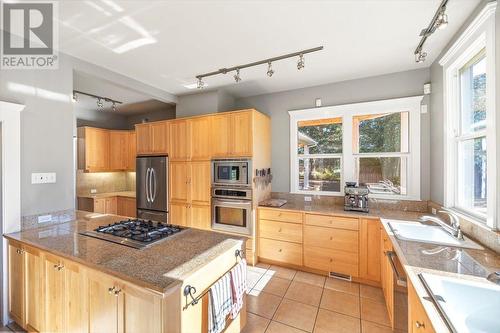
280	215
290	253
332	221
331	260
336	239
284	231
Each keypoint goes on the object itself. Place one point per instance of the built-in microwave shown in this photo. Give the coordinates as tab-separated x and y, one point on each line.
231	172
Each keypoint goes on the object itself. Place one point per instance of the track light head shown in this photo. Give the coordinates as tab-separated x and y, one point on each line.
420	57
301	63
75	97
113	106
442	20
100	104
270	70
237	76
201	84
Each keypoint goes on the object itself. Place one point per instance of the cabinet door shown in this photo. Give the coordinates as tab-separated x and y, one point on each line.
387	276
200	183
180	136
139	311
179	181
102	304
159	137
132	151
118	150
143	138
418	321
126	207
200	217
369	249
111	205
241	134
220	128
53	294
33	287
96	149
16	282
100	206
75	298
178	214
200	139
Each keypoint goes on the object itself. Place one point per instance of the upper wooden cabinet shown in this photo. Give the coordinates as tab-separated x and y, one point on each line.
101	150
180	138
200	139
232	134
152	138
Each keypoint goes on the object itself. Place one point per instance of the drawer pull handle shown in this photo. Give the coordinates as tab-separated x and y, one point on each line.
330	221
419	324
280	250
331	237
331	260
279	214
279	230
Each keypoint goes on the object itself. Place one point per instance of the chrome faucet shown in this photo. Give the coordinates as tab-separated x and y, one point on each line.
494	277
453	228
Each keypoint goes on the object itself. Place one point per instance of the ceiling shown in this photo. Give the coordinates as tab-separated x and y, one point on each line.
166	43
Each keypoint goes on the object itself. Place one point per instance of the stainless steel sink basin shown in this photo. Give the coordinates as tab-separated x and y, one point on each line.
466	306
418	232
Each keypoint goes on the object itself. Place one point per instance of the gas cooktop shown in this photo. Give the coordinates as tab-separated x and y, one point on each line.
135	233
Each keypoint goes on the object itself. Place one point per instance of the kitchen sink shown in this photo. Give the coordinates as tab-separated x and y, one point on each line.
466	306
418	232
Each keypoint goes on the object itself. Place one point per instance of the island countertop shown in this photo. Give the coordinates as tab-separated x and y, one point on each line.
159	267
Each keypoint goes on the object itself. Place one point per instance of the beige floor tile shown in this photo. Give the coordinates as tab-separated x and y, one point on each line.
304	293
340	302
273	285
374	311
369	327
344	286
332	322
275	327
310	278
255	324
263	304
281	272
372	293
298	315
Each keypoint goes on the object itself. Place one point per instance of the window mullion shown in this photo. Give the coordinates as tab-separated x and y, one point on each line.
348	162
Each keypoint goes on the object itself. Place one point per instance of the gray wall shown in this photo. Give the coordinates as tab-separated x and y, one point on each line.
277	105
96	118
168	113
196	104
437	110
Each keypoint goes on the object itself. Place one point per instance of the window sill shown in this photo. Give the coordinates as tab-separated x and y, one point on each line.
474	220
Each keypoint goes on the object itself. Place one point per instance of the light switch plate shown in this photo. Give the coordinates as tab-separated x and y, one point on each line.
93	191
434	211
43	178
308	198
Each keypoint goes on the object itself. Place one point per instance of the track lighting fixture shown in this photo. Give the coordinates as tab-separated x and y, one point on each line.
439	21
100	104
301	64
113	106
75	97
270	70
100	99
237	76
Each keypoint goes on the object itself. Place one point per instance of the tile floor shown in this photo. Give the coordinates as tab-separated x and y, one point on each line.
283	300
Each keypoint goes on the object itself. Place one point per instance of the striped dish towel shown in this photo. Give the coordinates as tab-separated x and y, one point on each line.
219	304
238	286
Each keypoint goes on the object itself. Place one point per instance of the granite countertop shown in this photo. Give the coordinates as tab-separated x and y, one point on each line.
338	210
125	194
417	257
159	267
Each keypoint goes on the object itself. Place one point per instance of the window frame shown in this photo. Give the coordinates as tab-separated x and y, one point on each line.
348	157
479	35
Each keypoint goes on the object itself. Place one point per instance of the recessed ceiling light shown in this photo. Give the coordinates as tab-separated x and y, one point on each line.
192	85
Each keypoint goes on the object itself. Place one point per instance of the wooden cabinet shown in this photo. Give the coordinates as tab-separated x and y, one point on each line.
119	148
288	232
178	213
103	303
279	251
93	149
331	260
369	249
54	294
180	137
332	221
132	151
387	275
200	182
16	282
138	310
180	177
200	139
105	205
126	207
152	138
33	289
200	217
232	134
418	321
280	215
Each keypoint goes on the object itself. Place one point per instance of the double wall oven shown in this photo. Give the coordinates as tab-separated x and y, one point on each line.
232	196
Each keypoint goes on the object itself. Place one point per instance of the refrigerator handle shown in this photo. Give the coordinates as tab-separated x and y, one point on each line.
153	195
150	185
147	185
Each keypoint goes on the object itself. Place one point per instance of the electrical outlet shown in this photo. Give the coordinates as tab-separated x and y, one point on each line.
93	191
434	211
44	218
308	199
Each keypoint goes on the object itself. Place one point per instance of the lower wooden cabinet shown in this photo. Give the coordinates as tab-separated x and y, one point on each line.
33	289
418	321
123	206
190	215
331	260
126	207
16	280
285	252
105	205
369	249
387	275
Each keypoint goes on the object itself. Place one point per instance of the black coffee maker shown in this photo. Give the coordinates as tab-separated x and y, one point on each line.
356	198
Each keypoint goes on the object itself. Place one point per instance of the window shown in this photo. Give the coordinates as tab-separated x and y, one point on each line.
368	143
470	133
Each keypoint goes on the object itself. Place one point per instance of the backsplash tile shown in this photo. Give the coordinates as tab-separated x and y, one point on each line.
104	182
57	217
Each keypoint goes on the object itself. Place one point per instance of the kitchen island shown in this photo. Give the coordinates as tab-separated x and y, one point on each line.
60	280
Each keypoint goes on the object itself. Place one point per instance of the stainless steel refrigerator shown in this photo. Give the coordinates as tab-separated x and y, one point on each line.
152	188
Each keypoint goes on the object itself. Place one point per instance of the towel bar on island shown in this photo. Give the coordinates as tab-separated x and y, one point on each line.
189	290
